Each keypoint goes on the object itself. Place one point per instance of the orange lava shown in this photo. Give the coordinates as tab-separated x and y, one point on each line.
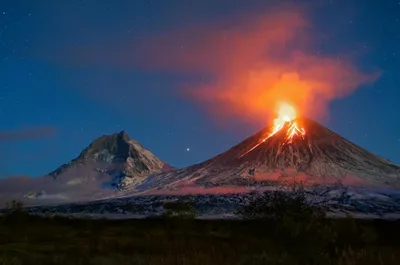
286	119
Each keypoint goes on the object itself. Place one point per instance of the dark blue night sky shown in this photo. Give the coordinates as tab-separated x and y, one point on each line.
71	71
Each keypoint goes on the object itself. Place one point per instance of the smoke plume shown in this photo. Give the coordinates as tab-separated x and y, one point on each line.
255	63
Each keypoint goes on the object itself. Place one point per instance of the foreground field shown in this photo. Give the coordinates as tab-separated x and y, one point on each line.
33	240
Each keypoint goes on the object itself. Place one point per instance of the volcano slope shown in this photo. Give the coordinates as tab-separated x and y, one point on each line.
313	154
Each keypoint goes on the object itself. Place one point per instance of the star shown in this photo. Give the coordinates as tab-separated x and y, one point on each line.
187	149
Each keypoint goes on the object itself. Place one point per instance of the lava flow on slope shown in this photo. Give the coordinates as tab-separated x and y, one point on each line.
285	121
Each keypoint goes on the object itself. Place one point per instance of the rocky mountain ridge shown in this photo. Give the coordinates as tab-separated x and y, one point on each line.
125	160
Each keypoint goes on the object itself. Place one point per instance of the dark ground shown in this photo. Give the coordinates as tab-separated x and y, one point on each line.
34	240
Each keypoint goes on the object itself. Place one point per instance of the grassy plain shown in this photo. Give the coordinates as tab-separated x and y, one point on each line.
32	240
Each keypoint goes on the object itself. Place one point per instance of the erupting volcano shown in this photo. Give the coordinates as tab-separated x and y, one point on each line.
293	148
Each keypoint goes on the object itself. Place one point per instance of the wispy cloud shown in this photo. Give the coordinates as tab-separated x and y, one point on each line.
27	133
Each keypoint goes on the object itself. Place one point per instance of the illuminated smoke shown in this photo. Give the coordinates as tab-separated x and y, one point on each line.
255	64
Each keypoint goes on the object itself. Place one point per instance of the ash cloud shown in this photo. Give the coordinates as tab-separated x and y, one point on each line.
243	66
253	63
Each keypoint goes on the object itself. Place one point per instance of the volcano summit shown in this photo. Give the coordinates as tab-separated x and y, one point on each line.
299	149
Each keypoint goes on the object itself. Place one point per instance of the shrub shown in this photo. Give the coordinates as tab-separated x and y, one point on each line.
15	213
299	226
185	210
282	203
16	206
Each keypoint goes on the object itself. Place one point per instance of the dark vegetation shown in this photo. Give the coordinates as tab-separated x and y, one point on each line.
278	228
180	210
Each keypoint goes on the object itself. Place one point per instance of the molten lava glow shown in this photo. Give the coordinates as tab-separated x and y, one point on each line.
286	113
286	118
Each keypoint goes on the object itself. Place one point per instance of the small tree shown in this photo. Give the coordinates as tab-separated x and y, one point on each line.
15	213
184	210
298	225
16	206
282	203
